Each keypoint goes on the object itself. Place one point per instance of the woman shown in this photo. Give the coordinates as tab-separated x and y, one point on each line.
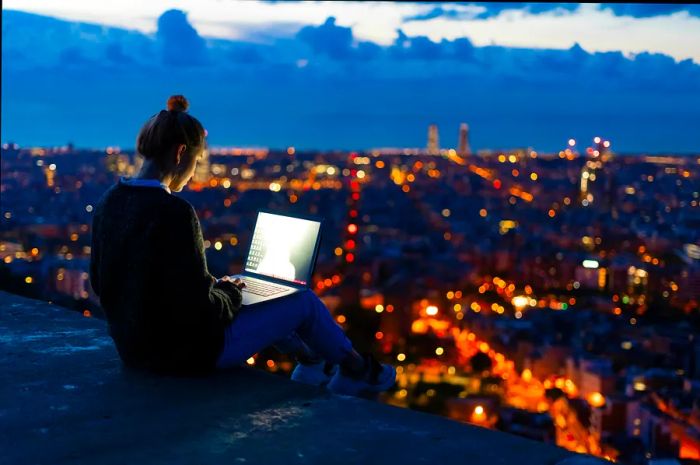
167	313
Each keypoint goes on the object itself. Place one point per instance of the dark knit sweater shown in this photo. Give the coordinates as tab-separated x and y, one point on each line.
166	312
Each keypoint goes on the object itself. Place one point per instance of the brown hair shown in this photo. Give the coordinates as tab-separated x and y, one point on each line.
168	128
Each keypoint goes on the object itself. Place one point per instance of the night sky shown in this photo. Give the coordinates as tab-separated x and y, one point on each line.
336	76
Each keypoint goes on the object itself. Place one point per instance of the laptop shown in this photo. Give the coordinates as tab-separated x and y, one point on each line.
281	257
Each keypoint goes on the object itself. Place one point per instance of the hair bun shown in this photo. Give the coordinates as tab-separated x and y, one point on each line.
178	103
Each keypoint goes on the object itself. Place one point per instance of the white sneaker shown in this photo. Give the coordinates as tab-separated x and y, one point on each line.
316	374
377	377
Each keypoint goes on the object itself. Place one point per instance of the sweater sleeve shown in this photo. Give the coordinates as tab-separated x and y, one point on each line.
195	285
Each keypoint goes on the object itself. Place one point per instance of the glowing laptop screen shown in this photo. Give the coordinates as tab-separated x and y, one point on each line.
283	247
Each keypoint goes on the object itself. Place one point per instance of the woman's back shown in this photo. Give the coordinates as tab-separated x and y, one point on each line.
148	268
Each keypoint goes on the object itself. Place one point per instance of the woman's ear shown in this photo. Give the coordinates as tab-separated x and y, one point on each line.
178	155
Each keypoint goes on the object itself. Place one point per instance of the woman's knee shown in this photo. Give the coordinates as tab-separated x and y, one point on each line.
311	305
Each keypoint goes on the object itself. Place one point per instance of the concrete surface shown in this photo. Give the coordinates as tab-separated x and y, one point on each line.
65	398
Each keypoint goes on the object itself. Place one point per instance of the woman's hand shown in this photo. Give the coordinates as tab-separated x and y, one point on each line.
237	281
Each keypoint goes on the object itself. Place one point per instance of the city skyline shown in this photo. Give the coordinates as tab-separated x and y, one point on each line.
553	296
328	83
510	205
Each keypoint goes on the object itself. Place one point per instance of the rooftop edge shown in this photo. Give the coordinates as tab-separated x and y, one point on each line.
67	399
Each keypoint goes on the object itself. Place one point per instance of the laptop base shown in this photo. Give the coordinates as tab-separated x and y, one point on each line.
252	299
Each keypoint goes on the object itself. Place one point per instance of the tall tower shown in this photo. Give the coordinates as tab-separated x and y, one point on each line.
433	143
463	147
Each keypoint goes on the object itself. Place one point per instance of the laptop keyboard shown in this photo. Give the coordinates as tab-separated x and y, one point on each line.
262	288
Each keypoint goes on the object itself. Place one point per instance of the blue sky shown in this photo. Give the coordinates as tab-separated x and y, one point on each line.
353	76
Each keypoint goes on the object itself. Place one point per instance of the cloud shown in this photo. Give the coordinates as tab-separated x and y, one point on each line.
245	54
495	9
44	42
115	54
438	12
423	48
419	47
180	43
330	39
73	56
486	10
348	93
467	10
336	42
648	10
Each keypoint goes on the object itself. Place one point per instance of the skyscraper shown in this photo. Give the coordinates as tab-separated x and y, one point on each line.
463	147
433	143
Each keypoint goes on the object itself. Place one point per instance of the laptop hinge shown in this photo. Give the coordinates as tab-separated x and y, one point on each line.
274	280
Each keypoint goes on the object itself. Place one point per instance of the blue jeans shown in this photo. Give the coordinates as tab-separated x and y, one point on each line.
296	323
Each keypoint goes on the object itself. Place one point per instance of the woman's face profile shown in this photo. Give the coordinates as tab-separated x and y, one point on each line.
185	169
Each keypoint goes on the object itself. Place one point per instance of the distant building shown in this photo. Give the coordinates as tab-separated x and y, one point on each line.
202	172
433	142
463	147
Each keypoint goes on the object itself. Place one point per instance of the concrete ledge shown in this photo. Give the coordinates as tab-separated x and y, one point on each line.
66	399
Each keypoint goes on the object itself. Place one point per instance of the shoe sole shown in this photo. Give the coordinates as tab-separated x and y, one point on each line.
354	387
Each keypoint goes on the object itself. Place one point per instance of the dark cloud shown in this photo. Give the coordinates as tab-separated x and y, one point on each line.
648	10
180	43
422	48
368	50
492	9
336	42
437	12
463	49
418	47
330	39
246	54
495	9
73	56
115	54
347	93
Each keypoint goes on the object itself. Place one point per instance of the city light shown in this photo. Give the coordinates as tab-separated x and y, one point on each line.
482	303
596	399
520	301
478	415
